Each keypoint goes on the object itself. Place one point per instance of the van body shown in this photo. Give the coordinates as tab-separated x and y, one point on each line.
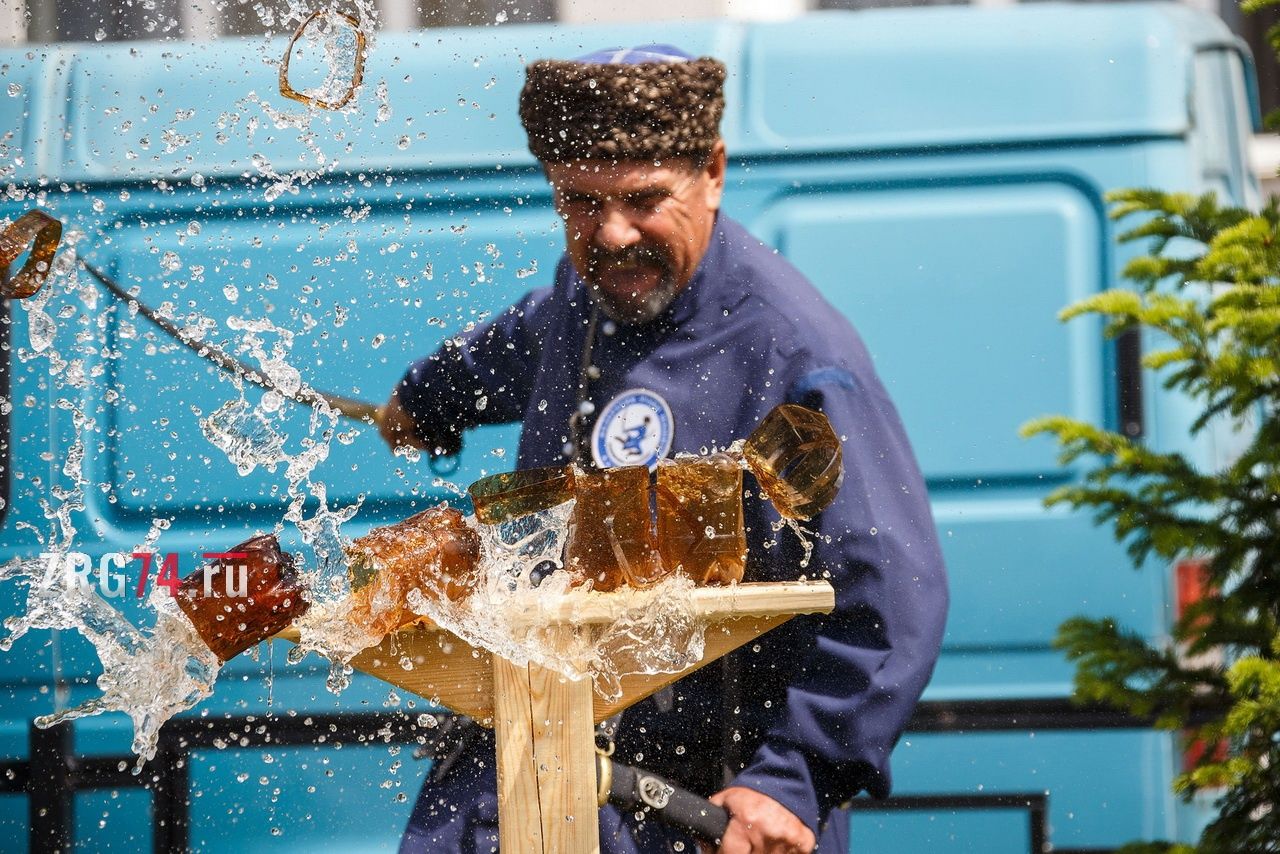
938	173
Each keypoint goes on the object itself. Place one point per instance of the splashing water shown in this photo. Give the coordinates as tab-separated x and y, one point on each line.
251	435
246	435
153	673
149	674
336	46
516	610
517	607
804	535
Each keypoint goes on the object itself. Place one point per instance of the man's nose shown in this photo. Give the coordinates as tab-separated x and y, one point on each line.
616	231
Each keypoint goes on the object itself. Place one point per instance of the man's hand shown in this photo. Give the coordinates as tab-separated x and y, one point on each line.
760	825
396	425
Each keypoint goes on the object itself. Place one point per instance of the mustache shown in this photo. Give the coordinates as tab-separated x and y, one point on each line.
638	255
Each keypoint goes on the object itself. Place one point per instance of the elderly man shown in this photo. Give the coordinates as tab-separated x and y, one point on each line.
669	328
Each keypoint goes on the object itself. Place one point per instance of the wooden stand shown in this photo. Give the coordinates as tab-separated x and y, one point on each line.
544	721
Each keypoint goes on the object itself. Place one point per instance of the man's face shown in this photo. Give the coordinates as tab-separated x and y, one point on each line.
635	231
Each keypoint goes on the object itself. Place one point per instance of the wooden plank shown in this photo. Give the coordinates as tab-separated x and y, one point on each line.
520	825
759	599
564	751
446	669
721	639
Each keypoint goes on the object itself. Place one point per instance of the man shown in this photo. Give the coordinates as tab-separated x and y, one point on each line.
670	329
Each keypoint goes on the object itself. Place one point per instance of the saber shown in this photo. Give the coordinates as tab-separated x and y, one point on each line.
358	410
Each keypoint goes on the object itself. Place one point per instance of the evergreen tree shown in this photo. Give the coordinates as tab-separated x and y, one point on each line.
1209	288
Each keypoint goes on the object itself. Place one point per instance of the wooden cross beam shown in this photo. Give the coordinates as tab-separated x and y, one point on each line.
543	720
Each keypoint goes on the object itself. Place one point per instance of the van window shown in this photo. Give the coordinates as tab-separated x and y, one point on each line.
1222	120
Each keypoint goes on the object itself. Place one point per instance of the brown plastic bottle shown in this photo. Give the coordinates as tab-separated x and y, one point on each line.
230	624
611	538
700	529
434	551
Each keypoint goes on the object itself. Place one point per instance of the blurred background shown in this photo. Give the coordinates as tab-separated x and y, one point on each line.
35	21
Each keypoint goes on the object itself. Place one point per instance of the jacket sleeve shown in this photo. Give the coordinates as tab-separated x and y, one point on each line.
481	377
852	695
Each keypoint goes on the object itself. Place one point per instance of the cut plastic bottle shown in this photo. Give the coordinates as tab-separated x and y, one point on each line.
700	529
434	551
230	624
611	537
504	496
797	459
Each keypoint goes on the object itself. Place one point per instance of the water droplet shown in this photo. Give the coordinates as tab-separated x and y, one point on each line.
14	90
100	35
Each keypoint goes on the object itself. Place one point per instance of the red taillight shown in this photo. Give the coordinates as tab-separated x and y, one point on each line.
1191	577
1191	585
1196	751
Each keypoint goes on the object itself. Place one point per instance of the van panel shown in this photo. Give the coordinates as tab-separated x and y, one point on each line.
1001	80
1017	575
354	799
956	831
963	76
1104	788
14	823
354	336
929	275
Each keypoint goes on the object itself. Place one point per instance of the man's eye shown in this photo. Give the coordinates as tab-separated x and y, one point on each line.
647	202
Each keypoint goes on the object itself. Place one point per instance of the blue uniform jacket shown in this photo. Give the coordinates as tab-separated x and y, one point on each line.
817	704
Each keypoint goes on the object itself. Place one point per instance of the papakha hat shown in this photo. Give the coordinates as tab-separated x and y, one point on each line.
643	103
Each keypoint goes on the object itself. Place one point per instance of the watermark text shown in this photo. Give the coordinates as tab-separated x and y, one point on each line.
161	569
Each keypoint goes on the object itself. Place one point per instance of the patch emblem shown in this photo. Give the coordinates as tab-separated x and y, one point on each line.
635	429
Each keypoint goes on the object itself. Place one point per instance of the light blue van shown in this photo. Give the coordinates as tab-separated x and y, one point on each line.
938	173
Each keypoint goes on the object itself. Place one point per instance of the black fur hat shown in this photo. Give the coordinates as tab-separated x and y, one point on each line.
649	103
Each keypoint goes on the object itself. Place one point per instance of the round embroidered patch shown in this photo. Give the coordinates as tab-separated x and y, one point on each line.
635	429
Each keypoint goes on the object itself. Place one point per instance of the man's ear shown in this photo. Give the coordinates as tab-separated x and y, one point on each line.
717	162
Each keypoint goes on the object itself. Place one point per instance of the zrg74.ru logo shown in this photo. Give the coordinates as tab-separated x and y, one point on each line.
77	567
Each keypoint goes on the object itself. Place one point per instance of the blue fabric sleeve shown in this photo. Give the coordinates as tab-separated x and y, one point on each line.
481	377
851	697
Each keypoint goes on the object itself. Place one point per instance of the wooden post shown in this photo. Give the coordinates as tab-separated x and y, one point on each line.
544	722
546	760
